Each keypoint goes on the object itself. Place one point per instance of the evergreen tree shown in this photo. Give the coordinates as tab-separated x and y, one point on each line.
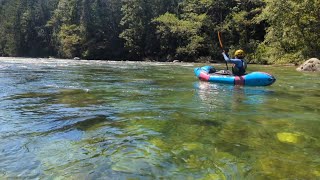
22	29
138	29
67	34
101	20
9	37
134	23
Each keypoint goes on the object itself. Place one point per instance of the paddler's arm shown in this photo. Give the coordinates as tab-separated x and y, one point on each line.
226	58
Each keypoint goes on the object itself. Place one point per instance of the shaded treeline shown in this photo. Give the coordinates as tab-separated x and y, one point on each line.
270	31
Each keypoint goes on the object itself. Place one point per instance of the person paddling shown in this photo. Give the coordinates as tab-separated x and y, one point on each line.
239	64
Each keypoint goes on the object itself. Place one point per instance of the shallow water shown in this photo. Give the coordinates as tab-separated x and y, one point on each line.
69	119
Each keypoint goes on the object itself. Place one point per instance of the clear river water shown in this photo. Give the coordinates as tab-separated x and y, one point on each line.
68	119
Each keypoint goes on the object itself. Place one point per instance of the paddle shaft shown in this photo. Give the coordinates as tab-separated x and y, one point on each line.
221	45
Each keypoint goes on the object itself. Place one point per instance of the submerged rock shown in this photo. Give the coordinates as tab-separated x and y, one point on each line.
288	137
312	64
192	146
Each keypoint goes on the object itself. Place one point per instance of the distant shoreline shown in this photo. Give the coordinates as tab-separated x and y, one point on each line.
140	61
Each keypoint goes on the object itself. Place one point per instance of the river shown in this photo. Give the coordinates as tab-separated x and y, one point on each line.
69	119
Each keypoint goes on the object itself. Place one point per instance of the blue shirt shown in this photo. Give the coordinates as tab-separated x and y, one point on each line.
240	65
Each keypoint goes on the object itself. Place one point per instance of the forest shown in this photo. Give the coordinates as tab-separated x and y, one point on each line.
270	31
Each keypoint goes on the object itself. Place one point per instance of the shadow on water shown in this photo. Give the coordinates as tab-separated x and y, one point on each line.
59	112
82	124
69	97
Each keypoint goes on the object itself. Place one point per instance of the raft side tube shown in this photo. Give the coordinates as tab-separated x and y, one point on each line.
250	79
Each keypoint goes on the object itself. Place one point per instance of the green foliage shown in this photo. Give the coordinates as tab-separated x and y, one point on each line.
64	25
101	20
134	23
138	32
269	31
8	39
188	38
22	29
292	35
70	40
243	29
